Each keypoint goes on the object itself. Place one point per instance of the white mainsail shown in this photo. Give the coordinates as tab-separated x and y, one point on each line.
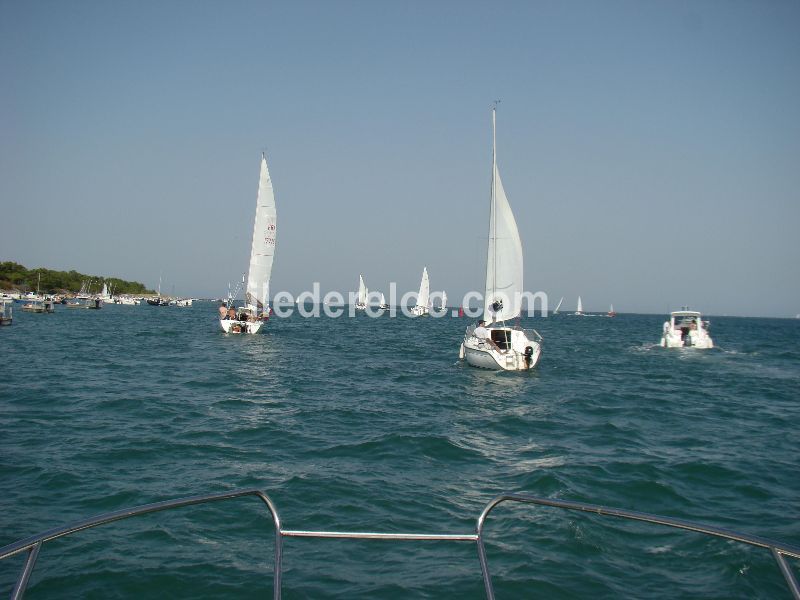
555	312
383	299
262	251
362	291
423	298
444	300
503	299
579	311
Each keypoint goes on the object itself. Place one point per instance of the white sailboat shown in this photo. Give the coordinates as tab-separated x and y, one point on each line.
498	346
422	307
251	317
383	305
611	311
555	312
361	299
443	307
579	310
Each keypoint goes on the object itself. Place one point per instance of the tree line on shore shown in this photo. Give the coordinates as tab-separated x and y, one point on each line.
14	276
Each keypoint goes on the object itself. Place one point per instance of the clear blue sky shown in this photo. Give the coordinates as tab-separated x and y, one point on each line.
650	150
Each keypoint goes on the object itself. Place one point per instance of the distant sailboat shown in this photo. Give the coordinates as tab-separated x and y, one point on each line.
611	311
255	312
555	312
498	346
361	300
383	305
423	297
443	307
579	310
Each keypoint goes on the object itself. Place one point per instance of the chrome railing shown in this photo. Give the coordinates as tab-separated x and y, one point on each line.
33	544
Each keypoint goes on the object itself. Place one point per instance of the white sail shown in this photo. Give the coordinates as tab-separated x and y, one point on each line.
555	312
444	300
362	291
383	299
423	298
262	251
503	299
579	311
611	308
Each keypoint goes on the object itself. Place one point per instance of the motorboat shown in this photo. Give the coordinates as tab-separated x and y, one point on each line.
686	329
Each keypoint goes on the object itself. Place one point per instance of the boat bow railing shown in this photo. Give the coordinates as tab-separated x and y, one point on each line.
33	544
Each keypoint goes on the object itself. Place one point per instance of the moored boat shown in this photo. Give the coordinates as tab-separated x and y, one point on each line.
6	313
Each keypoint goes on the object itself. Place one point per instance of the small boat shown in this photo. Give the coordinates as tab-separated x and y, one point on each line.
611	311
6	313
579	310
251	317
361	298
422	307
105	295
37	303
383	305
158	300
555	312
443	307
686	329
499	346
39	306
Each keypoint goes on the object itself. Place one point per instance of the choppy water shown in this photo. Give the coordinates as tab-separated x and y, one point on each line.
373	425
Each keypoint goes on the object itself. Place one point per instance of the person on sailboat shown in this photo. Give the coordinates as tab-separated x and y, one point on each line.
223	311
482	333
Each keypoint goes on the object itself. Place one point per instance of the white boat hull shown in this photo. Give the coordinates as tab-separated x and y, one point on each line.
234	326
674	339
523	354
420	311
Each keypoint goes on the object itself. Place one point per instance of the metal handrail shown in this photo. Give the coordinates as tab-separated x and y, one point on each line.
34	543
778	549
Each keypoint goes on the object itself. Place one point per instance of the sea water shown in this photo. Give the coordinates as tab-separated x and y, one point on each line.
362	424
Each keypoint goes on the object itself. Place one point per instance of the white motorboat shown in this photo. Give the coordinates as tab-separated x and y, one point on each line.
423	306
251	317
361	299
686	329
499	346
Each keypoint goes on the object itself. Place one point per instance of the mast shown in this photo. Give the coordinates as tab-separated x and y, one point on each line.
493	210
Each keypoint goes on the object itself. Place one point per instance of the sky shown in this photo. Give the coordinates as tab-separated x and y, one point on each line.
650	150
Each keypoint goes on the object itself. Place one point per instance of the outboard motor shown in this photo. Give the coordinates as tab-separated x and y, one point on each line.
528	355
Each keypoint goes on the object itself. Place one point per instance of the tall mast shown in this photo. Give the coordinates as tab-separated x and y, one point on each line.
493	233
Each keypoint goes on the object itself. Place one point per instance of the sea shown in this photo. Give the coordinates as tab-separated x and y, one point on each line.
374	425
